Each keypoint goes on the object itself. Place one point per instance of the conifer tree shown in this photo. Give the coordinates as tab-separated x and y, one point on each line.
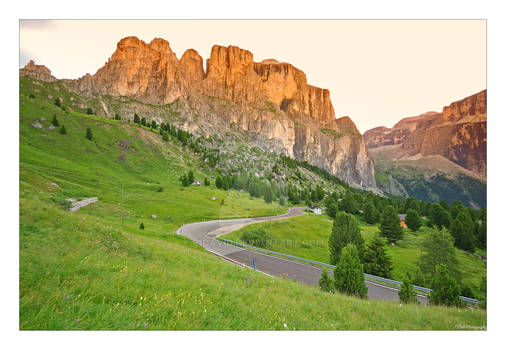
268	194
89	111
349	273
55	121
370	213
191	177
143	121
345	230
437	248
376	260
218	181
413	220
141	226
89	134
406	293
390	226
445	289
63	131
137	120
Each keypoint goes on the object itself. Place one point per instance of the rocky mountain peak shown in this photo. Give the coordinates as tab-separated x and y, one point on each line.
271	100
37	71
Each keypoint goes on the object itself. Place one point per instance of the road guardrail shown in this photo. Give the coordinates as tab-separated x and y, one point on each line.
376	278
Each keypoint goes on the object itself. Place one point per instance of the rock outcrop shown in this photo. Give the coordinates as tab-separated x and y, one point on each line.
39	72
458	133
270	100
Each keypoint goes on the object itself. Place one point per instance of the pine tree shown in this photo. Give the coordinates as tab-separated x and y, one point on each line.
153	124
218	181
63	131
89	111
440	217
465	237
349	273
370	213
326	284
191	177
445	289
117	117
206	182
413	220
437	248
268	194
89	134
141	226
137	120
406	293
184	181
143	121
376	260
390	226
57	102
55	121
345	230
349	204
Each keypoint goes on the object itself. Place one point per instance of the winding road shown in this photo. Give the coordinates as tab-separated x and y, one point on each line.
205	233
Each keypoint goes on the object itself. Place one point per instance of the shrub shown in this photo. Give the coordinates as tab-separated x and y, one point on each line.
32	96
89	111
141	226
255	237
57	102
137	120
117	117
143	121
160	189
326	283
153	124
165	137
63	131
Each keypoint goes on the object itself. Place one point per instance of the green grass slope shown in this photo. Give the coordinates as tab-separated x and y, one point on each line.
87	270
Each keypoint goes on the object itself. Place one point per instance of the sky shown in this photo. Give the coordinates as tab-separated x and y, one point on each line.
377	71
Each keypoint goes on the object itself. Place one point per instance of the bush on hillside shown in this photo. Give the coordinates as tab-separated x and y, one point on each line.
326	283
255	237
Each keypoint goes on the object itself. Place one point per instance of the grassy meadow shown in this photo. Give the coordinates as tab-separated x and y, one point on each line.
92	270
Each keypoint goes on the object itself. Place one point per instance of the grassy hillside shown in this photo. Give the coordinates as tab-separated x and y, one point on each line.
87	270
307	236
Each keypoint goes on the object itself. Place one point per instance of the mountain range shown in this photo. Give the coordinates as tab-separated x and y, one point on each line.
272	103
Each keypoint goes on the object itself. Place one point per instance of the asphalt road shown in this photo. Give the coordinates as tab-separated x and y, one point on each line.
204	233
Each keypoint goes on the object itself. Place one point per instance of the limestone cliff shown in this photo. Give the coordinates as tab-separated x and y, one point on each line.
269	100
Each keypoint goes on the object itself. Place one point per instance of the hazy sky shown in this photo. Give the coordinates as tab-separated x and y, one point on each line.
377	71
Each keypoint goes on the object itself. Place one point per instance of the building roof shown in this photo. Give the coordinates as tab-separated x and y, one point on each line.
402	216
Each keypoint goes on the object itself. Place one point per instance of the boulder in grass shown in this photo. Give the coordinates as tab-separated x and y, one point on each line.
153	216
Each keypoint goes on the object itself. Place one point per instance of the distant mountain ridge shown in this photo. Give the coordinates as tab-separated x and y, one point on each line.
270	100
458	133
